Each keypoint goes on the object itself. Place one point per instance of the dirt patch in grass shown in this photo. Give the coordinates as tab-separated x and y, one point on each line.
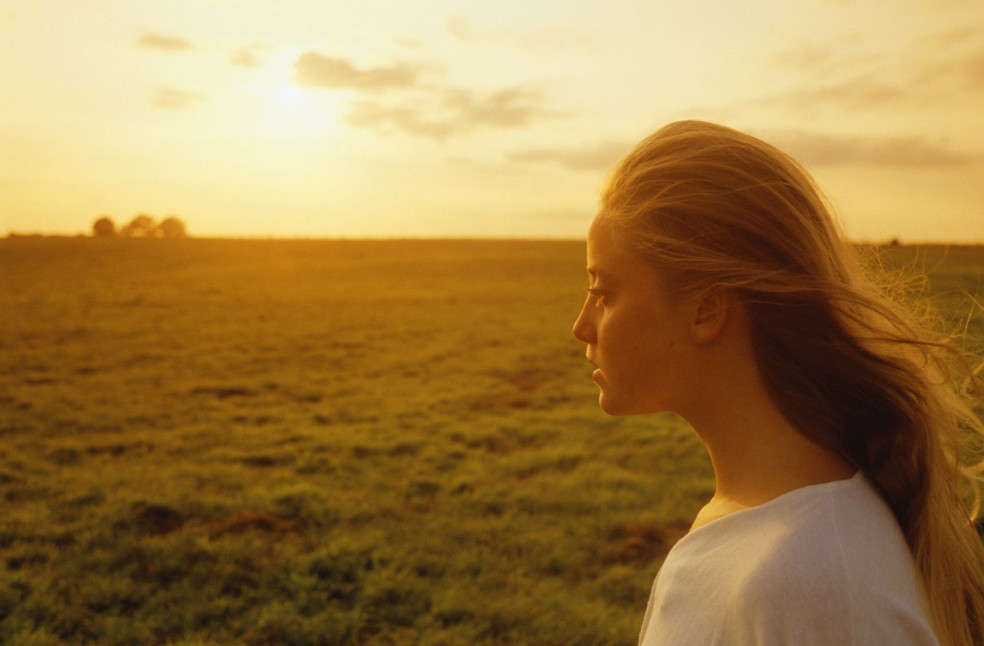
223	392
249	521
152	519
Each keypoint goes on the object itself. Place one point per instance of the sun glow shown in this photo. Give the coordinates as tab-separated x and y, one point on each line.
290	95
285	111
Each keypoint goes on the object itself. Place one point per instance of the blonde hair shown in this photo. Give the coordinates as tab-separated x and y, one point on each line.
714	208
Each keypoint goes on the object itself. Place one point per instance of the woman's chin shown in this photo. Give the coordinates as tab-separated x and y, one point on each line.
612	406
620	407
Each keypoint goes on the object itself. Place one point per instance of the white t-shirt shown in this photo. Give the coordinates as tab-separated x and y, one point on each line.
822	565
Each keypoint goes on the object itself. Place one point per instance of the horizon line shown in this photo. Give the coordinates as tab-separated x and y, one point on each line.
887	241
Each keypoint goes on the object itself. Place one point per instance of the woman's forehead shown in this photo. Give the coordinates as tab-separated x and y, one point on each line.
609	260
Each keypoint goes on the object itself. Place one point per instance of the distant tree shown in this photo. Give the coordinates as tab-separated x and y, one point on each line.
172	227
141	226
104	227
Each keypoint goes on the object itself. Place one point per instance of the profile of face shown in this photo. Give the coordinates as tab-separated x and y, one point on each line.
638	334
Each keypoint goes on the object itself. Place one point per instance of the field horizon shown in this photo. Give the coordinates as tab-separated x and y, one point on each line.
884	242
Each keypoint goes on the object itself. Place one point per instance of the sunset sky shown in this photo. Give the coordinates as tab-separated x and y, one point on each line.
324	118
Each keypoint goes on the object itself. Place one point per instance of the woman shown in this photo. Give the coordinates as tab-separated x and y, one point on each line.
721	290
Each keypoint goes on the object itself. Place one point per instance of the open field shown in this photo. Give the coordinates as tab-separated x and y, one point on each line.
331	442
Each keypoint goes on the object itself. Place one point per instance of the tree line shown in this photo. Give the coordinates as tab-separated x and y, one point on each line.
141	226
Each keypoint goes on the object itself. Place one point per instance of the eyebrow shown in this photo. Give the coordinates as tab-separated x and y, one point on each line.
594	272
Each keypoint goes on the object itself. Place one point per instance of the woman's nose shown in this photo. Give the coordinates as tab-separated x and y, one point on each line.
583	328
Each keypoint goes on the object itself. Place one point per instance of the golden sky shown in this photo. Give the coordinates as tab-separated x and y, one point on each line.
324	118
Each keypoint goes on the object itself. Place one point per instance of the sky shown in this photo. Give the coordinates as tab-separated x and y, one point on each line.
460	118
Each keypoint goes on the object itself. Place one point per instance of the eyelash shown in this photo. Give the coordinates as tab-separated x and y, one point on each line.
595	292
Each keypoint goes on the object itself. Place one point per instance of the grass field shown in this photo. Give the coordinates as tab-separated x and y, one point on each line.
331	442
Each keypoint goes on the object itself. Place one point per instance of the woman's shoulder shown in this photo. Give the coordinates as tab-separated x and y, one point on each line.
795	513
836	535
838	552
820	565
839	528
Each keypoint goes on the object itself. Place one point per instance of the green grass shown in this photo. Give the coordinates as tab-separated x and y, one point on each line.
329	442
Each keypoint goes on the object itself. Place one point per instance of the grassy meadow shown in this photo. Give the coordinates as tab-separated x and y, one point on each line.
331	442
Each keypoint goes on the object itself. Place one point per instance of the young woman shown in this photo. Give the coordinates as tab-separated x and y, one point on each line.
721	290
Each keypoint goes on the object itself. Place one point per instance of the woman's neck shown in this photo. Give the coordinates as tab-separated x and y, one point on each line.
756	453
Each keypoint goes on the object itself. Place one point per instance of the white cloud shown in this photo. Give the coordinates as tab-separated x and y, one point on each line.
445	112
316	70
592	157
167	97
163	43
823	149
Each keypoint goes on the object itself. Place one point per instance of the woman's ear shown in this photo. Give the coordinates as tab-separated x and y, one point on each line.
713	312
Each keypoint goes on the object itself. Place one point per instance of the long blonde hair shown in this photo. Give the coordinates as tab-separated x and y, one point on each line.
715	208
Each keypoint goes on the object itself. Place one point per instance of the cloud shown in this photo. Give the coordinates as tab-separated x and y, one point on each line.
409	43
315	70
414	107
556	40
860	92
964	71
170	98
940	66
973	68
445	112
246	56
595	157
831	150
823	61
408	119
164	43
508	108
954	37
807	57
808	148
549	40
462	29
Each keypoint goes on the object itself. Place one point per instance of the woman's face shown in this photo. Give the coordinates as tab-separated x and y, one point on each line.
638	334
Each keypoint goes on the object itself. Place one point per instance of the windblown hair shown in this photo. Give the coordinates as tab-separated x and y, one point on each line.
714	208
